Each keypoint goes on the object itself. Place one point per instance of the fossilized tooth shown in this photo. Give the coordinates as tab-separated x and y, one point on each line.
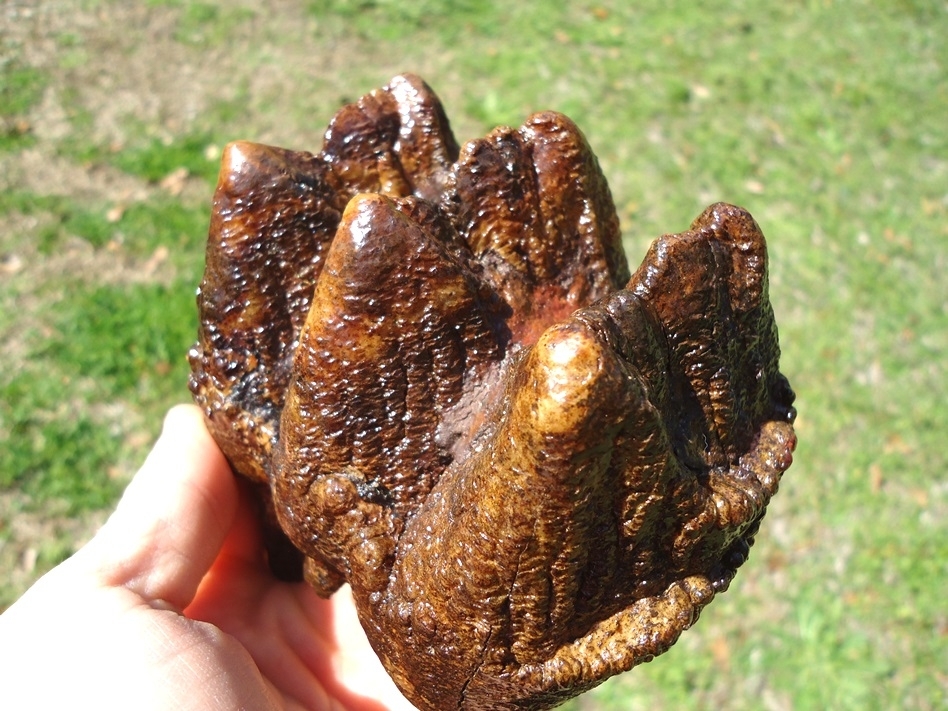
570	524
275	212
533	474
395	141
535	210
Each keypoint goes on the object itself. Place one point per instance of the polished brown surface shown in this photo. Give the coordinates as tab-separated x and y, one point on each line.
533	470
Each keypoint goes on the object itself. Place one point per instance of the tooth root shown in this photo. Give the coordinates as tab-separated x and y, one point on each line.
579	217
256	292
720	327
533	204
395	141
397	324
426	147
528	502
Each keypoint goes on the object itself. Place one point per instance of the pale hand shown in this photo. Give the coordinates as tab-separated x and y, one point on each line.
172	606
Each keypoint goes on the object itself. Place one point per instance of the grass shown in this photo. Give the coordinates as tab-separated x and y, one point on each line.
45	447
156	159
128	339
825	119
21	88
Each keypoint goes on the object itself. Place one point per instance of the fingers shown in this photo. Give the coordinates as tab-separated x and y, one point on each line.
239	577
173	518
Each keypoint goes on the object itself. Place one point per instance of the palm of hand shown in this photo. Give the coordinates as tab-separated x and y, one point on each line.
172	605
311	651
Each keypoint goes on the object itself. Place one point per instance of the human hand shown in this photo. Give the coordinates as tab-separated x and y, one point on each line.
172	606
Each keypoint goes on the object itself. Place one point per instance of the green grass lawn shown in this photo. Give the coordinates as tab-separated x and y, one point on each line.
825	119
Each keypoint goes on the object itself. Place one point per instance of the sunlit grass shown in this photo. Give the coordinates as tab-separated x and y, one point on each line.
825	119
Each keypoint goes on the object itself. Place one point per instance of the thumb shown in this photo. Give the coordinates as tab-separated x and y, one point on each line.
172	519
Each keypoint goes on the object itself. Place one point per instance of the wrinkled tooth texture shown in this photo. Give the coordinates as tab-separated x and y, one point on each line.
533	469
396	141
637	634
533	205
501	576
613	545
275	212
273	218
730	360
397	324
